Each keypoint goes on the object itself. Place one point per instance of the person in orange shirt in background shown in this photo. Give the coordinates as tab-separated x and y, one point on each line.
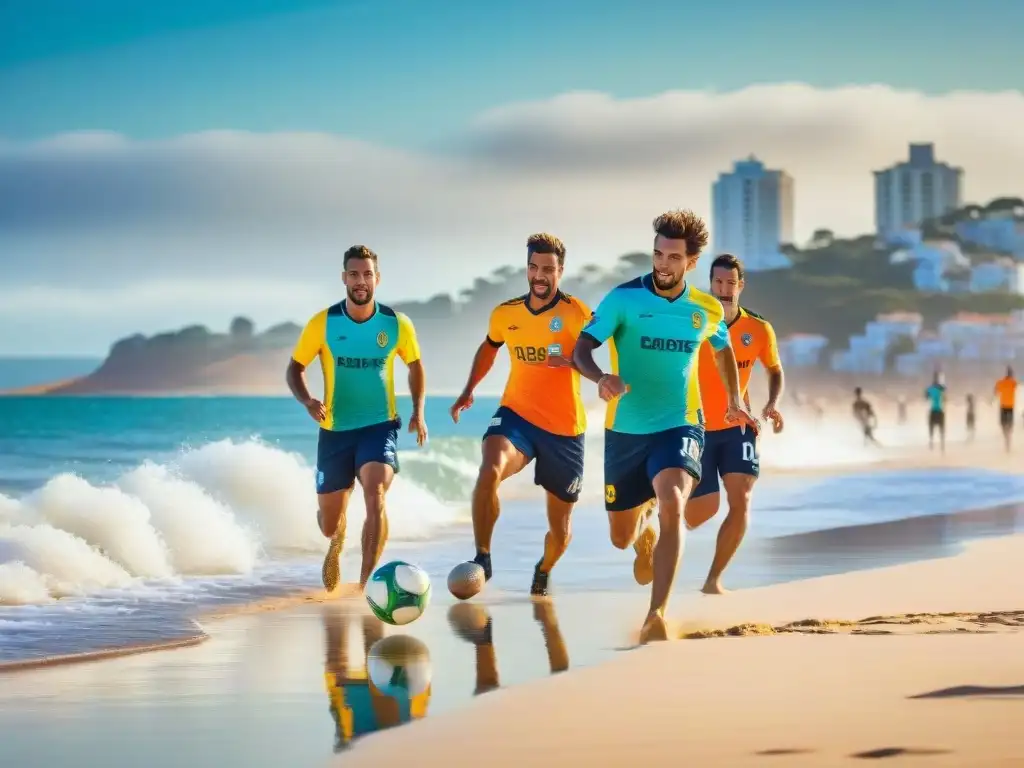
541	416
731	452
1006	391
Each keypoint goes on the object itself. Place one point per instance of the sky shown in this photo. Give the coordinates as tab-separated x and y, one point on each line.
163	164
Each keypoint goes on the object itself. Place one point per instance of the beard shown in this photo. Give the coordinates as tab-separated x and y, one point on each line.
666	284
540	290
360	300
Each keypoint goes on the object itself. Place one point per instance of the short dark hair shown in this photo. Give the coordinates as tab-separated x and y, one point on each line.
542	242
359	252
683	225
727	261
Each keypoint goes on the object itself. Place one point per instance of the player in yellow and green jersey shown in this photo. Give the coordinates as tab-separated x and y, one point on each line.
356	342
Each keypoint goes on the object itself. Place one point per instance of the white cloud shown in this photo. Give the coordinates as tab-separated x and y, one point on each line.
101	210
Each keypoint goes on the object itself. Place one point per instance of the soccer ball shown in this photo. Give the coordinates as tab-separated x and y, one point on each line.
398	592
399	667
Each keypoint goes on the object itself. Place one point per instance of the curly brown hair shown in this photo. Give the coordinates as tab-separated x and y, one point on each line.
543	242
683	225
359	252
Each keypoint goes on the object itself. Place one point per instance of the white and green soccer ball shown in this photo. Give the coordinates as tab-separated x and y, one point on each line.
398	592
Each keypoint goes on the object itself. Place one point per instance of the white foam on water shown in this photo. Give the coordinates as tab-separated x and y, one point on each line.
217	509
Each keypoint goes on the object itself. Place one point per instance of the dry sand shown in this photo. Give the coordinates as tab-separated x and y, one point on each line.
923	663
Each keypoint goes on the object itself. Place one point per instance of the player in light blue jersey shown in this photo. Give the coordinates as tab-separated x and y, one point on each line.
654	433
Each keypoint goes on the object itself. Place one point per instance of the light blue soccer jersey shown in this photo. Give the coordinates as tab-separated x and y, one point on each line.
937	394
654	347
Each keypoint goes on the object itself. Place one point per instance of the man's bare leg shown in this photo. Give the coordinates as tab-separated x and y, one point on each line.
375	477
331	514
698	511
500	461
556	541
738	489
672	488
632	527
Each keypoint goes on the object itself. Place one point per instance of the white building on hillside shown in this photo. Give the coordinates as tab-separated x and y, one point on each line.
999	230
867	352
911	192
933	260
752	214
802	350
1004	274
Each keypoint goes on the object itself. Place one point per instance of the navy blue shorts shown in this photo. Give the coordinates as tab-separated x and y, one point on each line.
340	455
631	462
559	458
727	451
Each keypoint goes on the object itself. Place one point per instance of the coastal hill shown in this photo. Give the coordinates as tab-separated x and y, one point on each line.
833	288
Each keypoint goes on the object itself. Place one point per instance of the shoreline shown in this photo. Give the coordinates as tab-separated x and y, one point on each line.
909	651
104	654
317	596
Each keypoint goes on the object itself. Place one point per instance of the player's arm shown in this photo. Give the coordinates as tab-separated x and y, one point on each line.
772	363
408	349
602	326
307	349
725	361
567	362
486	353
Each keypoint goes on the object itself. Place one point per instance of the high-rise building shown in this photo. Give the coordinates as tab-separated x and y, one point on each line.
912	192
752	214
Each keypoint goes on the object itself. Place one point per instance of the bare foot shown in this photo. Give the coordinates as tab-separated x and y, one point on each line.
714	588
655	629
643	563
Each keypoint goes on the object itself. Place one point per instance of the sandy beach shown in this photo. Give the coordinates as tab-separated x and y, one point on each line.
920	662
924	662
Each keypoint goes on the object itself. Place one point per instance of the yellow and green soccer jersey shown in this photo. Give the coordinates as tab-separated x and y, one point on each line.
358	361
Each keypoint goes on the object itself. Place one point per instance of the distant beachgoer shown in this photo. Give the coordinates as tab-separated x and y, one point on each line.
541	415
731	452
970	417
864	413
901	410
356	341
1006	391
936	394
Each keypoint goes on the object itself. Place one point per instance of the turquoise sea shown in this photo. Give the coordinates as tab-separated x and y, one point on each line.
122	517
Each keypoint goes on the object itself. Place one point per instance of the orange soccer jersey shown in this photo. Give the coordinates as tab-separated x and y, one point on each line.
545	396
1006	390
753	338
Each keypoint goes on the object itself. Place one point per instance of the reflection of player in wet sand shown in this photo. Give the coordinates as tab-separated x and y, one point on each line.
357	706
472	622
865	416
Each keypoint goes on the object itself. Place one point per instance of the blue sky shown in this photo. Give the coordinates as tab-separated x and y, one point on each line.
407	71
163	164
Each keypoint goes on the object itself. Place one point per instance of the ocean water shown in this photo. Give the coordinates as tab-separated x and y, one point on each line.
121	518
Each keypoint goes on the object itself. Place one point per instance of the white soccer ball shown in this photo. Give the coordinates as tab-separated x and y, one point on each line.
398	592
399	667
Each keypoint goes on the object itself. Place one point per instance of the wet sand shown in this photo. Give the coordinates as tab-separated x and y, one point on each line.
834	678
921	662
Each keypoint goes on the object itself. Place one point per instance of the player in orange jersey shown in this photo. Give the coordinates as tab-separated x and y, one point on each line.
730	452
541	416
1006	391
